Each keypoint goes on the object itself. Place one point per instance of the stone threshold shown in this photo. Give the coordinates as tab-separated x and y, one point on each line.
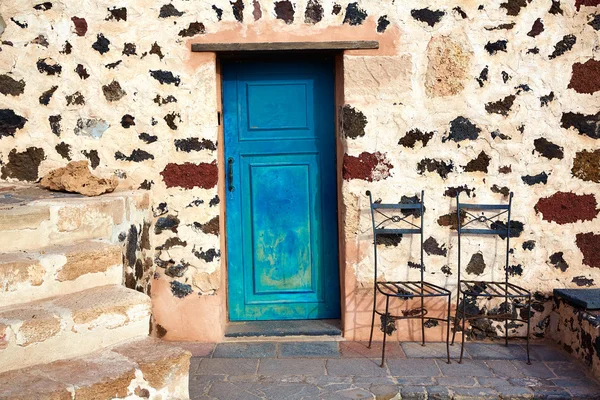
295	329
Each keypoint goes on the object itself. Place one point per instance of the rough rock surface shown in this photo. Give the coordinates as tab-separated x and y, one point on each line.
77	178
448	66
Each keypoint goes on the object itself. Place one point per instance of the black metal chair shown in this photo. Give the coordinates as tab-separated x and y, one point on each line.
405	290
488	289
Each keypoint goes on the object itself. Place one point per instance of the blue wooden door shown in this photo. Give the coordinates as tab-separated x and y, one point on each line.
281	190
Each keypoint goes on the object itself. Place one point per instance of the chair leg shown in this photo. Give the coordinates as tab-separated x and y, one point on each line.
528	328
506	323
448	329
373	317
422	321
385	323
464	319
456	314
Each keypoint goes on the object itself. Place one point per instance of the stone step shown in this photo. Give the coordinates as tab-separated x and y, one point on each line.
33	218
140	368
59	270
71	325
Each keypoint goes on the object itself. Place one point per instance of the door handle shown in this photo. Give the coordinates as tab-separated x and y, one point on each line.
230	174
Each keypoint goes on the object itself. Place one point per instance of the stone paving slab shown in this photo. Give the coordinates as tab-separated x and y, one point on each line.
360	350
431	350
350	373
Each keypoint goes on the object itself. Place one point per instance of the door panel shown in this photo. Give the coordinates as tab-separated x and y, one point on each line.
281	191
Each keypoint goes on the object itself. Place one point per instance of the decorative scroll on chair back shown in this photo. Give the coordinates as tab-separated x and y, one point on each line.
394	220
468	212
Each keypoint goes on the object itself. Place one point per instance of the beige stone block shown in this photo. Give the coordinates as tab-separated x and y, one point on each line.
3	336
369	78
19	272
32	323
90	257
160	362
26	385
23	218
448	66
206	282
73	217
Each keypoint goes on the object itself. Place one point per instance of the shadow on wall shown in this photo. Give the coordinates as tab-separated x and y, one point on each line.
2	25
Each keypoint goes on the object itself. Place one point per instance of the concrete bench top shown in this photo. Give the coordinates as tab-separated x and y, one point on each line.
588	299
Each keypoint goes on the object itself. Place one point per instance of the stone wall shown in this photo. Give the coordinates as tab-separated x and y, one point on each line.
477	98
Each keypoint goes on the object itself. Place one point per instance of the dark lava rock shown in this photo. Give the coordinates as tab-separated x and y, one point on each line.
548	149
81	71
23	165
545	100
75	99
451	219
20	24
555	8
155	49
513	7
413	136
113	65
314	12
214	201
589	244
162	101
382	24
117	14
583	281
49	66
336	9
80	25
353	122
218	11
506	169
180	290
129	49
147	137
528	245
208	255
586	165
504	190
193	29
389	240
595	22
494	47
168	223
564	45
137	155
64	150
479	164
483	76
43	6
537	28
284	10
101	44
443	168
514	270
237	7
194	144
92	156
501	107
430	17
497	134
354	14
8	85
558	261
476	265
54	121
463	129
454	191
44	99
127	121
169	10
542	177
170	120
432	247
516	228
67	47
10	122
165	77
174	271
113	91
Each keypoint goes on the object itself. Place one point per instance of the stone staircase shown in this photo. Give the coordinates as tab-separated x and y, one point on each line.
69	329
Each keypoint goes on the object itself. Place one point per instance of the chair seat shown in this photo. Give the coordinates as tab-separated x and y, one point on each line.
493	289
410	289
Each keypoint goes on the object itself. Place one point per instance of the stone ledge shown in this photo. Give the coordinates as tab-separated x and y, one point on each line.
588	299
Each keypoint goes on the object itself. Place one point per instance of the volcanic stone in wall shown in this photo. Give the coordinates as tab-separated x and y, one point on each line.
567	207
129	49
11	86
367	166
494	47
502	106
558	261
194	144
180	290
208	255
313	13
80	25
165	77
354	14
113	91
91	127
515	230
75	99
545	100
449	62
476	265
67	47
585	77
586	165
589	244
430	17
432	247
137	155
537	28
211	227
415	135
218	11
170	120
284	10
188	175
588	125
127	121
454	191
147	138
214	201
23	165
43	6
64	150
54	121
528	245
564	45
162	101
168	223
169	10
92	156
587	3
451	219
117	14
44	99
542	177
155	49
382	24
101	44
10	122
503	190
548	149
513	7
481	163
193	29
555	8
583	281
353	122
595	22
442	167
237	7
461	129
48	66
483	76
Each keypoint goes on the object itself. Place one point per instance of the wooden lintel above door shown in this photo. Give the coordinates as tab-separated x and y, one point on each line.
285	46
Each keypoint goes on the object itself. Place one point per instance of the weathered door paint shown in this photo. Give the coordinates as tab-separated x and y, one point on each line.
281	190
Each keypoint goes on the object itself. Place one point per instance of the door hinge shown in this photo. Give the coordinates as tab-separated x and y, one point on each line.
218	118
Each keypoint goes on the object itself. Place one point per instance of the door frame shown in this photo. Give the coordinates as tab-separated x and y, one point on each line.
339	154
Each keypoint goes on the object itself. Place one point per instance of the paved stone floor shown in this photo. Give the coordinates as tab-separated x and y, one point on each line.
348	370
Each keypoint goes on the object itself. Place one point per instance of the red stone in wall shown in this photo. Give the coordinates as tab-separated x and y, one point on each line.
367	166
585	77
190	175
565	208
589	3
589	244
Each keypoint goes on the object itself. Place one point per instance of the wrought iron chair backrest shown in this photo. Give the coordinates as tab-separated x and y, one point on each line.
496	226
410	229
